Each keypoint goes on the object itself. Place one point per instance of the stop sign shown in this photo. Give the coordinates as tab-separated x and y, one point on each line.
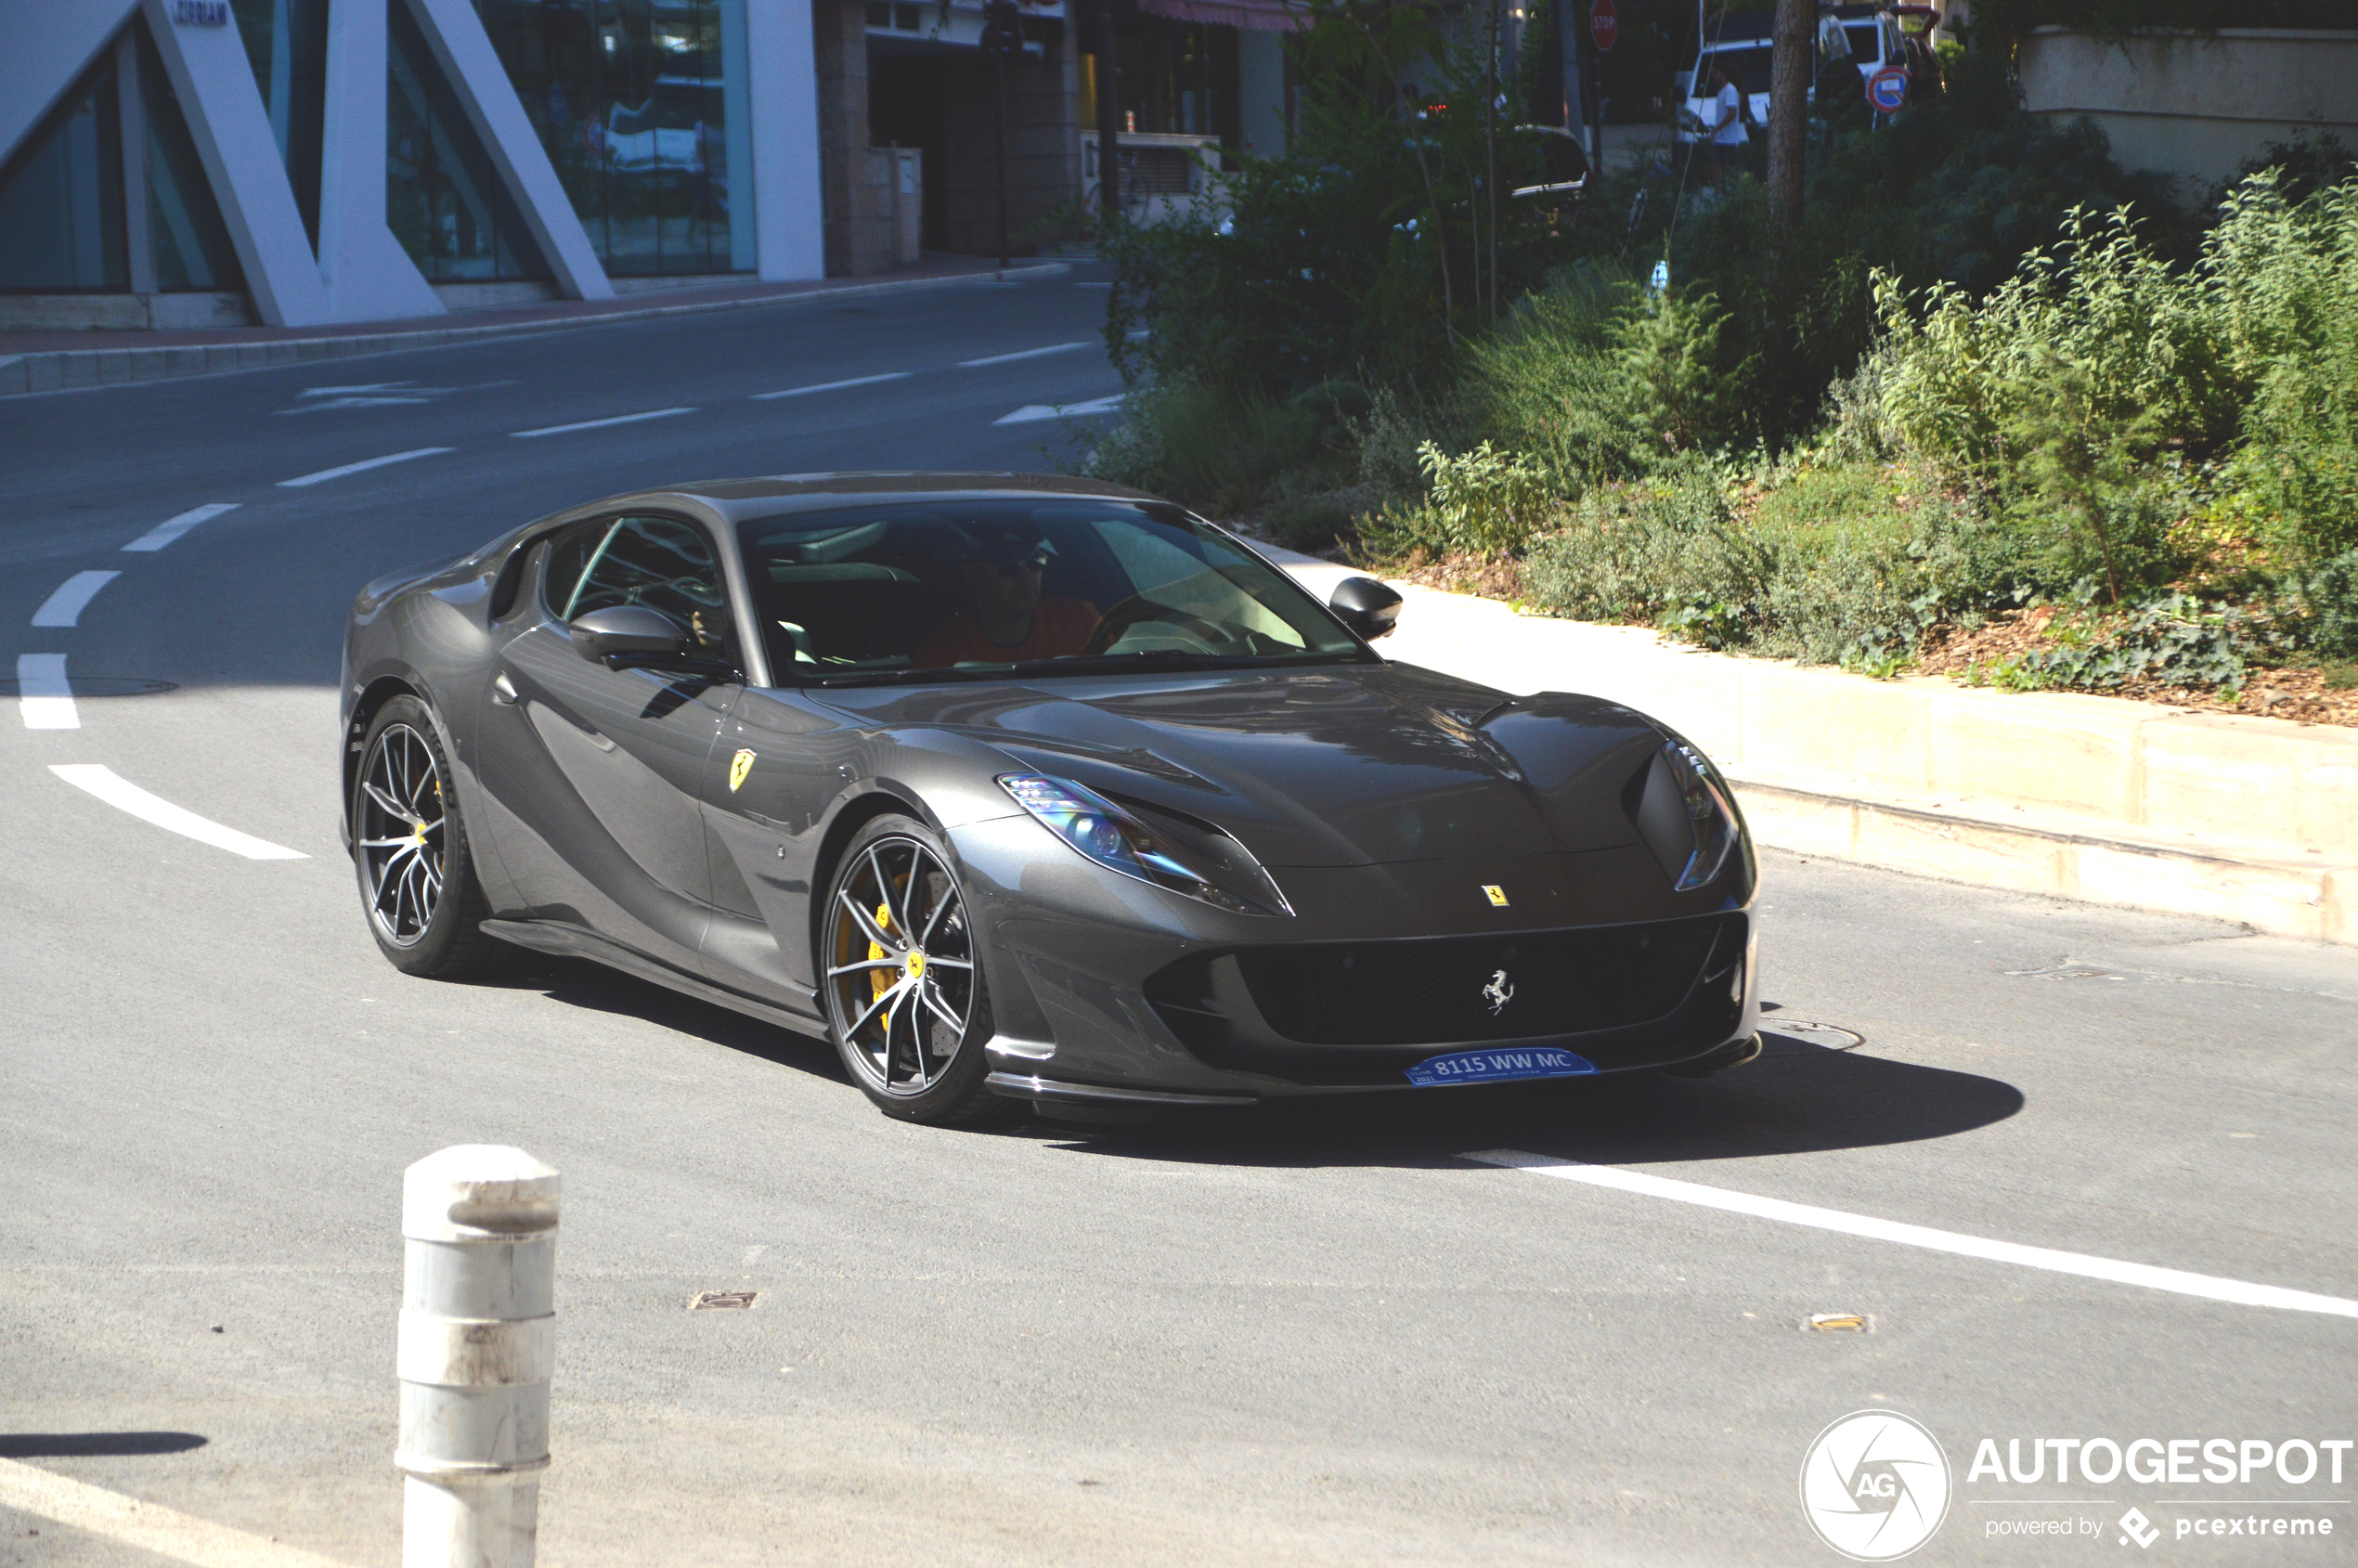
1604	25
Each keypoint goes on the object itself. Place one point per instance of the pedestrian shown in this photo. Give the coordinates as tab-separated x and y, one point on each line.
1729	136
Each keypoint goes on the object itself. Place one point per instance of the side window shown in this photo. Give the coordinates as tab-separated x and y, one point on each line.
568	557
664	565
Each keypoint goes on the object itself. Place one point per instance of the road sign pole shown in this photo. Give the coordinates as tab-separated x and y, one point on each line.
476	1345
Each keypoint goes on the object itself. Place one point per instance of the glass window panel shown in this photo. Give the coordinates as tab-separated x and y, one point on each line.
191	243
631	101
287	44
444	201
61	195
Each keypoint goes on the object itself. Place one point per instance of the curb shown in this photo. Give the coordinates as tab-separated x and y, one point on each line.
2315	901
75	369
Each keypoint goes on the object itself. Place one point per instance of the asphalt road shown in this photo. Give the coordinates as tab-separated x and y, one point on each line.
1317	1335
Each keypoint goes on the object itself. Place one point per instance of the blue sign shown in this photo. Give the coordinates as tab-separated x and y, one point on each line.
1496	1067
1887	90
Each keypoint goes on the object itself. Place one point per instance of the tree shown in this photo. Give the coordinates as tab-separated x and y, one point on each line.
1794	45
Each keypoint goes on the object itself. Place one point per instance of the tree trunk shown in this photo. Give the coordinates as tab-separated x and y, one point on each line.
1793	53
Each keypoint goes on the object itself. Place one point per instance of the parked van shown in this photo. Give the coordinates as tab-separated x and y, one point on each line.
1741	42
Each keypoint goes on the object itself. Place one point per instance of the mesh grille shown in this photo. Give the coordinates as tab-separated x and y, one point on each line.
1443	989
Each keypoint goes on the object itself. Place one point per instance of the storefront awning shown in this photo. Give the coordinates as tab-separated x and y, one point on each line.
1265	16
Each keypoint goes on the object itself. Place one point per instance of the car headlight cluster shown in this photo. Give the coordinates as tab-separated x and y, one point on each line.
1687	816
1118	840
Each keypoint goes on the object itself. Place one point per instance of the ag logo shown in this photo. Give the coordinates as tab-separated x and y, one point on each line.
739	766
1875	1485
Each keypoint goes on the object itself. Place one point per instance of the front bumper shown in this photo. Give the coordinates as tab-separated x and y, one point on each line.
1111	992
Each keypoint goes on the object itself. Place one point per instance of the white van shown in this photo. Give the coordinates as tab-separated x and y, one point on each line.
1741	42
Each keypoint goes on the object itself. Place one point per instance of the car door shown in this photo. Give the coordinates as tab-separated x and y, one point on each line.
597	770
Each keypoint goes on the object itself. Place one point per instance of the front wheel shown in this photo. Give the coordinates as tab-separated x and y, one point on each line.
410	850
904	982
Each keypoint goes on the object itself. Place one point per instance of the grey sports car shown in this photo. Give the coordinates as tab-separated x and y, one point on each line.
1030	789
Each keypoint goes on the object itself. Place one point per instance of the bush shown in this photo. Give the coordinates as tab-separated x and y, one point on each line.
1485	502
1216	450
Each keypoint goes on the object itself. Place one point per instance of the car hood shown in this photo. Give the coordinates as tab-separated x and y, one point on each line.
1334	765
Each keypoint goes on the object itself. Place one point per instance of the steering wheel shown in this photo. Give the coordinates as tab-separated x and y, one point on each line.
1138	610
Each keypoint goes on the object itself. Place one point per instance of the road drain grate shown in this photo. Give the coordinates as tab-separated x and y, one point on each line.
1839	1322
723	1301
1830	1036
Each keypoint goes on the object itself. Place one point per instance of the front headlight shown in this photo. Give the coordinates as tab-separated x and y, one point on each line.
1686	816
1119	840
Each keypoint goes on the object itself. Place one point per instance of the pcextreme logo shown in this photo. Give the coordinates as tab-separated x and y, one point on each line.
1876	1485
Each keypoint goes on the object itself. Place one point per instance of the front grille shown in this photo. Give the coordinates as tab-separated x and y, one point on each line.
1433	991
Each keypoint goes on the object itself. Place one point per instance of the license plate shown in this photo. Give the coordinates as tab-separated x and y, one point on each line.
1496	1067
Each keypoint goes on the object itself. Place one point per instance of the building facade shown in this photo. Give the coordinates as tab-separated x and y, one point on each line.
298	162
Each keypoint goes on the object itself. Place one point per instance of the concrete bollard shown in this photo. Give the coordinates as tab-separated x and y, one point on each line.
476	1346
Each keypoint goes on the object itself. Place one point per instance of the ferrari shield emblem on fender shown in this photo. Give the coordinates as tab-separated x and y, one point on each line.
1495	894
739	766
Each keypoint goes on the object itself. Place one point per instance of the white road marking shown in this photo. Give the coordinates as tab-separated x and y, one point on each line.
1093	285
361	467
599	424
172	529
65	606
100	781
1033	411
2209	1287
832	386
43	696
1020	354
147	1526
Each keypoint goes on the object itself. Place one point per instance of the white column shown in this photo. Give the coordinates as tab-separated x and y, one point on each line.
472	66
223	106
1261	90
474	1354
47	47
783	72
368	277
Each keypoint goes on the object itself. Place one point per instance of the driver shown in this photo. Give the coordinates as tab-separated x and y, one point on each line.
1008	620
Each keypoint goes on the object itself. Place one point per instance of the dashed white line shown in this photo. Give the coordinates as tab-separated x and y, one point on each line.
65	606
2209	1287
1021	354
832	386
100	780
43	696
1030	412
361	467
599	424
147	1526
172	529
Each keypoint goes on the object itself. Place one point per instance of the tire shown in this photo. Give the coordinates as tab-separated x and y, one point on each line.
419	890
911	1029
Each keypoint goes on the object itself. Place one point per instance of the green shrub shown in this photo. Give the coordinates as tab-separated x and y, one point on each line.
1484	502
1217	450
1669	551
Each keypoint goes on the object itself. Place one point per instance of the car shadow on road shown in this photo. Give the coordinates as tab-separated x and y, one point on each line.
94	1445
580	983
1795	1098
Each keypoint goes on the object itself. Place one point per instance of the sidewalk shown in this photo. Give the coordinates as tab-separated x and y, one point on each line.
2096	798
52	361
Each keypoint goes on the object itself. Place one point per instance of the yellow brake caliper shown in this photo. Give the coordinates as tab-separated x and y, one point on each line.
880	981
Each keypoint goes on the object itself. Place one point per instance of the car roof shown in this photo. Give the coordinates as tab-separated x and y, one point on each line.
777	493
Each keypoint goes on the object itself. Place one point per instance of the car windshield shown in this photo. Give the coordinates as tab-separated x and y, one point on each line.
952	590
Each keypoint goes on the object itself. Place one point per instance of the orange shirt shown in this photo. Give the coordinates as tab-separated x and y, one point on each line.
1059	626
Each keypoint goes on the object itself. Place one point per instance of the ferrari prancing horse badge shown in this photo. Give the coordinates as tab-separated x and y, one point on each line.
739	766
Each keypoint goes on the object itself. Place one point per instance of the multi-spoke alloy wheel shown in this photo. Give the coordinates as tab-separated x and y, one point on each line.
904	990
401	836
411	849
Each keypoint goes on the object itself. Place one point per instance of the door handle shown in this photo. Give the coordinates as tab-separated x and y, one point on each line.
503	691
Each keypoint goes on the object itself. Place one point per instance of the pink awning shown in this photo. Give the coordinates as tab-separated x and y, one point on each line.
1265	16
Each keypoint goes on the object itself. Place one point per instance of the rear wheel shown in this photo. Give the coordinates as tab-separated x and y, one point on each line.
410	852
904	982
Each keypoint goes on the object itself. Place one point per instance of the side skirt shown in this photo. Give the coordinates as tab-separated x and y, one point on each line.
571	941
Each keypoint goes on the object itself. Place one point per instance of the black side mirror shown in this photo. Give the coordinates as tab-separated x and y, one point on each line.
624	629
1367	606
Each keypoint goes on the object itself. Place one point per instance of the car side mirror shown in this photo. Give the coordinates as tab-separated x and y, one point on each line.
1367	606
621	630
